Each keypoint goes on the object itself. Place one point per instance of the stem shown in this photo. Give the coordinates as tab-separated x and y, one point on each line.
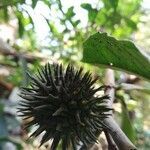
110	84
116	133
111	144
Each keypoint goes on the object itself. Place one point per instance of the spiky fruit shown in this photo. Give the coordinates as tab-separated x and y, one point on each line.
62	103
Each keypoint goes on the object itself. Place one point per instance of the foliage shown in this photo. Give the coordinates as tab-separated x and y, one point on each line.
104	50
65	36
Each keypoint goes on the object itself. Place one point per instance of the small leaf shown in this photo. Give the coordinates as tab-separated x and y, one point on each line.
34	2
105	50
70	13
21	25
76	23
92	13
130	23
86	6
111	4
21	28
52	28
126	124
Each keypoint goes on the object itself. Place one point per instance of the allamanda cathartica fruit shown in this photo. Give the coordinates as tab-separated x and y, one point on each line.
62	103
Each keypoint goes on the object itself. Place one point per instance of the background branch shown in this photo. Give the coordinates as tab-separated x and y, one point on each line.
7	50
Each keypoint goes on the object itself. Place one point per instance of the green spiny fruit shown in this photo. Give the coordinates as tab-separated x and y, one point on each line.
62	103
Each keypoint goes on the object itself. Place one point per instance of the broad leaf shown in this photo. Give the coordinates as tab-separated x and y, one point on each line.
105	50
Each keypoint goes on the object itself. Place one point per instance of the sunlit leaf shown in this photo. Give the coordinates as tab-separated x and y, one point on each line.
92	13
70	13
52	28
6	3
130	23
20	27
111	4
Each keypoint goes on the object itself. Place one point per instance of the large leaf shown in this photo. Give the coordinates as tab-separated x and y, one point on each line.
105	50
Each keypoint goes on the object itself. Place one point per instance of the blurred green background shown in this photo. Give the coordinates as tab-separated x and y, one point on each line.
33	32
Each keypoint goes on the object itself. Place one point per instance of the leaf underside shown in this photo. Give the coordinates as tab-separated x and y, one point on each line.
123	55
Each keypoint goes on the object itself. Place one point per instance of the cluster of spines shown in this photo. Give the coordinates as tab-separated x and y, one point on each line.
63	103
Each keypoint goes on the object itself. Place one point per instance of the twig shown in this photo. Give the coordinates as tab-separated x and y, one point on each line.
121	140
7	50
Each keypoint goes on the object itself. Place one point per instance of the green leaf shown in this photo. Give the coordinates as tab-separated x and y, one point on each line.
30	19
109	52
52	28
86	6
130	23
75	23
21	25
6	15
70	13
92	13
111	4
126	124
34	2
6	3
